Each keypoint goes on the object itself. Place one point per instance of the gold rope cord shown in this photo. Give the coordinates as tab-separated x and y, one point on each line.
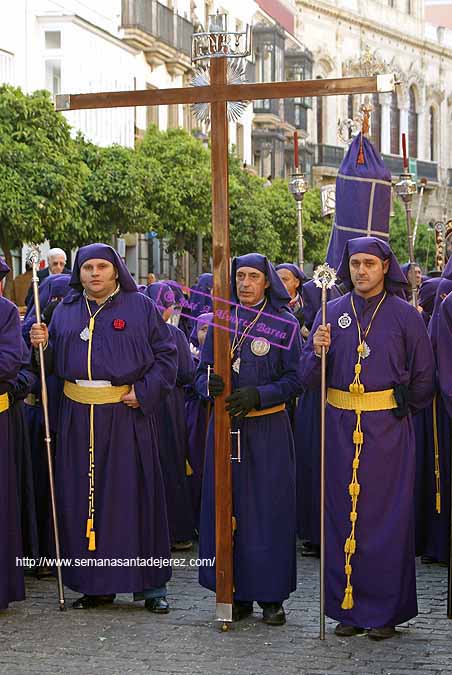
356	387
436	451
90	532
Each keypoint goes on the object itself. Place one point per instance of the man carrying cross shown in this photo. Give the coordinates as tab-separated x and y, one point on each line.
263	380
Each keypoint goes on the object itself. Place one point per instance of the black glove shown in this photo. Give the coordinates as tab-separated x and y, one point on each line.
241	401
216	385
48	311
401	397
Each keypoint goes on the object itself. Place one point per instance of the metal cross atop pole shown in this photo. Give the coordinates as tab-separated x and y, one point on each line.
221	86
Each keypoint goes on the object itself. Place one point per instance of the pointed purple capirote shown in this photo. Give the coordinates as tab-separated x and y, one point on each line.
363	198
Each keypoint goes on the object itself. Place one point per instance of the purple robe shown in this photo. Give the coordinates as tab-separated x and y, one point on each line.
264	481
20	387
383	567
173	444
307	435
11	575
437	525
130	506
439	544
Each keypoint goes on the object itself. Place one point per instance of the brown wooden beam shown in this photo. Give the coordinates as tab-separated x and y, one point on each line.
222	347
232	92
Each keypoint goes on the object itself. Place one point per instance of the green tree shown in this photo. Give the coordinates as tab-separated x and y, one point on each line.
316	230
115	195
41	174
251	224
424	249
179	186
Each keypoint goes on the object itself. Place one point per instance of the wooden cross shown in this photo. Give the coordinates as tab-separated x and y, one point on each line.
218	93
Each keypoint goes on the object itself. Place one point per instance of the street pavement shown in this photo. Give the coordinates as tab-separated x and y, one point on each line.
35	637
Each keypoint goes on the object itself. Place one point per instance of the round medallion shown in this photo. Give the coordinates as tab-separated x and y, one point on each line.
260	346
344	320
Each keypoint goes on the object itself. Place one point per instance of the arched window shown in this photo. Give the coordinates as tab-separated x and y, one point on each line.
395	125
319	111
432	133
375	122
412	124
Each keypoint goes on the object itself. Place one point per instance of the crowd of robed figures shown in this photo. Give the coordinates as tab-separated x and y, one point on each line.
130	402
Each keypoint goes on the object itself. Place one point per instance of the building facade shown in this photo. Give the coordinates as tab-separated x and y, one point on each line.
77	46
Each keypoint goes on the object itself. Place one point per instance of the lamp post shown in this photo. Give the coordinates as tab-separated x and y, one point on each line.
298	187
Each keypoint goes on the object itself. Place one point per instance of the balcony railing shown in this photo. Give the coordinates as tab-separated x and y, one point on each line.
328	155
427	170
424	169
393	163
155	19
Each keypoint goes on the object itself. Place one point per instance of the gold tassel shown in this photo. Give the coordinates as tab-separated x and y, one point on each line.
92	541
438	502
234	524
188	469
361	151
89	527
347	602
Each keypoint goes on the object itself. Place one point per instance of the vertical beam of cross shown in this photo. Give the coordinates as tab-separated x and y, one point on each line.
222	360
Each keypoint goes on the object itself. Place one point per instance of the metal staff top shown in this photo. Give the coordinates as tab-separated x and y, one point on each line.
325	276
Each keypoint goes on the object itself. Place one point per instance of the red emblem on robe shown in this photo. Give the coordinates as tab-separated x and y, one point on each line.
119	324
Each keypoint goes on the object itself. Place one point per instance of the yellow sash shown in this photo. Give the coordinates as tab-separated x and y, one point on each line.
94	395
267	411
4	402
371	401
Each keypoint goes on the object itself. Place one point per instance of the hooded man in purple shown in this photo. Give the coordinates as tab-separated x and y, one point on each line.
11	575
265	349
172	433
197	411
380	370
115	353
293	279
438	434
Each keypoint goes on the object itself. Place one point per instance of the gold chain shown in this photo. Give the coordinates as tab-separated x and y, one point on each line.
237	343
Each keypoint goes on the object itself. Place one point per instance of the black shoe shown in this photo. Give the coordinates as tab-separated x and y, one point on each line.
90	601
182	546
241	609
310	550
382	633
273	614
157	605
343	630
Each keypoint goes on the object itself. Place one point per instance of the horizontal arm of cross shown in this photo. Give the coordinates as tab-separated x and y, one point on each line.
231	92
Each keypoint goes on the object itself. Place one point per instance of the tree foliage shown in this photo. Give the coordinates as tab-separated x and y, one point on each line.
424	250
114	196
41	174
316	230
179	186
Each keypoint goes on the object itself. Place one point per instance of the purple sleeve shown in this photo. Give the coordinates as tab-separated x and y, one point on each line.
288	384
161	376
421	364
309	365
10	341
206	359
185	365
443	349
